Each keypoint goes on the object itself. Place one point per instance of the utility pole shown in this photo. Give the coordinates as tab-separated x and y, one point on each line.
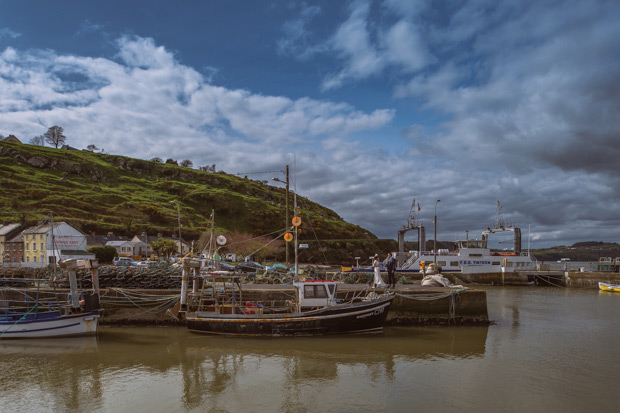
288	223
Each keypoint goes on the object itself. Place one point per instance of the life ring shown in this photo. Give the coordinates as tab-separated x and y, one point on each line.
296	221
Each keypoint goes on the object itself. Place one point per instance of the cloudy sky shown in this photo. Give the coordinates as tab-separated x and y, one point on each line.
379	102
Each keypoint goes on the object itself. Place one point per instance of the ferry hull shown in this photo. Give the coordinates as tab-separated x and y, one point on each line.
44	325
356	318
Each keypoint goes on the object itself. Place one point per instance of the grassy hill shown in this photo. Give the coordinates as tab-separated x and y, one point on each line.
109	193
580	251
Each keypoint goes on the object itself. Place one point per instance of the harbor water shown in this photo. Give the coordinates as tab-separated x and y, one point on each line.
549	349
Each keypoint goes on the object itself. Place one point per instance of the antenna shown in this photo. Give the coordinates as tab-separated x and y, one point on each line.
499	224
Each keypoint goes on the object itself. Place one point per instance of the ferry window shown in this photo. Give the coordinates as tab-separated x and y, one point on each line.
495	263
441	263
454	263
308	291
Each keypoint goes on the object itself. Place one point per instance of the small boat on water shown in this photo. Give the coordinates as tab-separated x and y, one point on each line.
58	323
314	311
35	312
609	287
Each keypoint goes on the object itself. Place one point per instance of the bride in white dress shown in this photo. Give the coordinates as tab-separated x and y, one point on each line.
378	282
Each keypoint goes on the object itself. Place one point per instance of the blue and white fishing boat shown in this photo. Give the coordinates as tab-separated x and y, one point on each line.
29	311
58	323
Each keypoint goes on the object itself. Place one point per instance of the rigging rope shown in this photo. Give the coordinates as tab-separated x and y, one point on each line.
24	316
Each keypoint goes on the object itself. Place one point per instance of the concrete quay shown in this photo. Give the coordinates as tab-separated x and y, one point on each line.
569	279
413	304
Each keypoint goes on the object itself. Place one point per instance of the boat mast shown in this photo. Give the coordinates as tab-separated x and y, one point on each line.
211	241
53	242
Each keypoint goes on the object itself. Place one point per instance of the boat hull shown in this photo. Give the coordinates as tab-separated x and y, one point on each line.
51	324
609	287
357	318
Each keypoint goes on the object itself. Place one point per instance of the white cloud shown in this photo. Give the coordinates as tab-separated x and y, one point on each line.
364	46
6	32
148	104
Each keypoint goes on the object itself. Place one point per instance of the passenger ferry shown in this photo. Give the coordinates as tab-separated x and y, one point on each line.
471	256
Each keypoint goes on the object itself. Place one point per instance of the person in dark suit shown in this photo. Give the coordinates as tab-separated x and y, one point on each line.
390	265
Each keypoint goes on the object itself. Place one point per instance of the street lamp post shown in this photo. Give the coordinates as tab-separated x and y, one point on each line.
435	240
179	220
287	215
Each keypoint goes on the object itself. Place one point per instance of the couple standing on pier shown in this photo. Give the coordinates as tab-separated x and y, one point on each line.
390	265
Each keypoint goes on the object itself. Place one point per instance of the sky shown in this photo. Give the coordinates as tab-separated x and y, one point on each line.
372	103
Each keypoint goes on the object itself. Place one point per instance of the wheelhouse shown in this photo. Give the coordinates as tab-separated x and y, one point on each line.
315	294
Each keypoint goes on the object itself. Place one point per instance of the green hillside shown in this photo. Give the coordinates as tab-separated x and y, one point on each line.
109	193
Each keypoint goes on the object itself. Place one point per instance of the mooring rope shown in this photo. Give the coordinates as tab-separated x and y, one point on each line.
431	297
452	295
547	280
139	299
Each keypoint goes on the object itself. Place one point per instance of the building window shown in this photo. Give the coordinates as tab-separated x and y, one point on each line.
41	236
27	247
34	246
42	258
41	246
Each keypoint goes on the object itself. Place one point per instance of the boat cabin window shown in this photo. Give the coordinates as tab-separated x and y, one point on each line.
315	291
454	263
441	263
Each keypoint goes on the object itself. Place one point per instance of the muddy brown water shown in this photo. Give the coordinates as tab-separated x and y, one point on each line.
549	349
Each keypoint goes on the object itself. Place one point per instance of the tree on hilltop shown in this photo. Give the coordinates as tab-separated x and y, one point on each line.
187	163
92	148
54	136
38	140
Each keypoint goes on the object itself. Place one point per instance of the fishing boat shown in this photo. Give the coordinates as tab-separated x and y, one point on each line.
609	287
314	311
29	311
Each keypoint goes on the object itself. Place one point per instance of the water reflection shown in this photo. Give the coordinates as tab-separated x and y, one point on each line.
70	374
542	341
